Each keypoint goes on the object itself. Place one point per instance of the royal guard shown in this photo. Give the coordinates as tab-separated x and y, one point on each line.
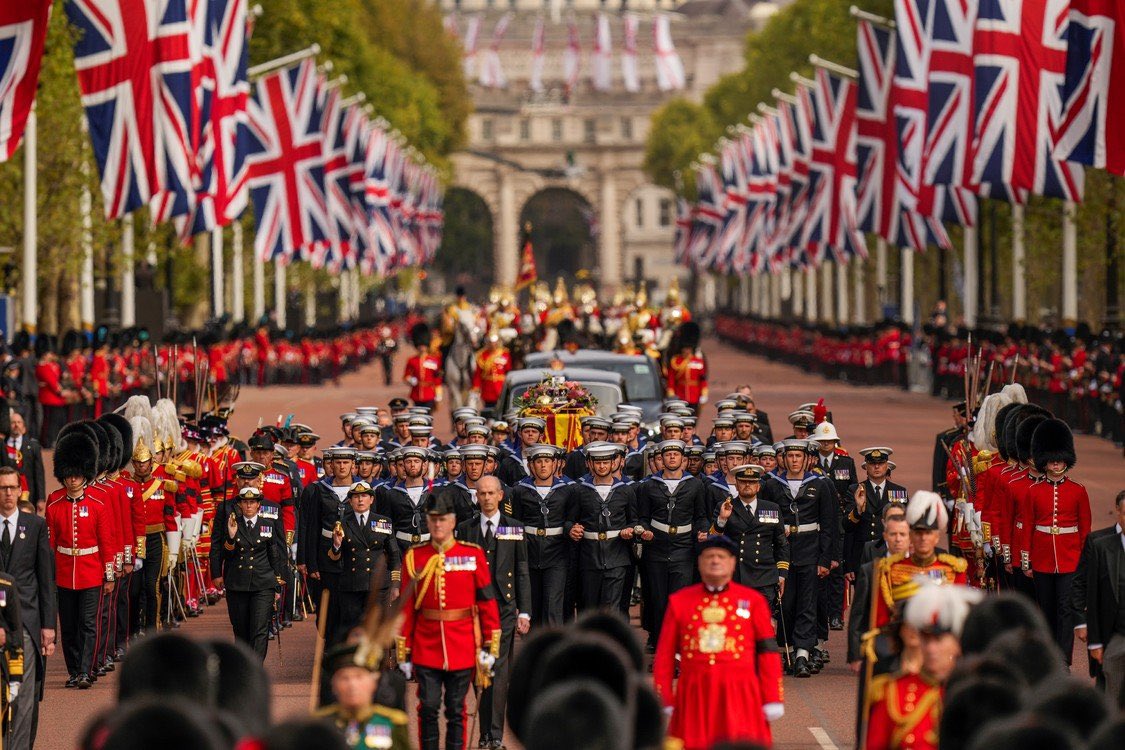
906	707
687	370
895	577
423	370
80	532
493	365
718	633
672	314
1056	525
451	629
158	499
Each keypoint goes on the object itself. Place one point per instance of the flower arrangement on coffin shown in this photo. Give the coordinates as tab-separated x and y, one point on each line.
561	403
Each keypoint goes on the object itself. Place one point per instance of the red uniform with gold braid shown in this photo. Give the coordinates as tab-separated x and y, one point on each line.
1056	527
729	665
452	618
423	372
493	366
895	580
905	713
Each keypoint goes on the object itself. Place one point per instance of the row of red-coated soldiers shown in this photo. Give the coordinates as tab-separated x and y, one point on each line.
129	528
1017	513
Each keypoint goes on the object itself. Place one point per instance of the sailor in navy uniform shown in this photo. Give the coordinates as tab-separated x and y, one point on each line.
755	526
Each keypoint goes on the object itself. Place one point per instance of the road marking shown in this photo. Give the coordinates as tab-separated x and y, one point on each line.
823	739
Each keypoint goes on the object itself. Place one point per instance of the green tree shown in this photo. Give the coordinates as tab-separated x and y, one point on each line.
679	133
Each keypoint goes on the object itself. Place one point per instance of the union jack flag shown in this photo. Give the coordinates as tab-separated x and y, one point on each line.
761	148
733	175
337	182
1020	64
778	219
798	121
23	27
133	59
709	217
286	164
377	193
877	199
832	210
1094	93
224	138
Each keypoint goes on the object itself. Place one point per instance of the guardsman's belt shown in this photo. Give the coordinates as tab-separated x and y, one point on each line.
447	615
76	551
1056	530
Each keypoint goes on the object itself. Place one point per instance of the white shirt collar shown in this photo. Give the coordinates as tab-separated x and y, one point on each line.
495	518
880	485
12	519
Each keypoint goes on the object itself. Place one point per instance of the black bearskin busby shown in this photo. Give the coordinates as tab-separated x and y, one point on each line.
114	421
1024	432
689	335
420	335
1001	429
76	455
567	331
1052	441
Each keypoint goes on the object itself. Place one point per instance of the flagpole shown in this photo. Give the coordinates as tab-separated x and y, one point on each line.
907	311
279	295
863	15
86	274
128	282
30	271
1019	283
237	303
1070	265
257	71
969	293
259	288
820	62
217	307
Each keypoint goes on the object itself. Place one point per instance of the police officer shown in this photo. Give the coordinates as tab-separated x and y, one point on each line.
358	539
755	525
251	564
541	502
808	512
673	507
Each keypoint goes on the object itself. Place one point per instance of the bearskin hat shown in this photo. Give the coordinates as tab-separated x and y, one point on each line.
1012	423
76	455
567	331
689	335
1052	441
420	335
120	424
95	432
578	712
43	344
1001	429
1024	434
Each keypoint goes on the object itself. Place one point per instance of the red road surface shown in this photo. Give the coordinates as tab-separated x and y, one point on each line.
819	711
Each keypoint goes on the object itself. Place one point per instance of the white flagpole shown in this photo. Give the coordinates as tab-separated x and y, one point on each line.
281	62
310	303
1019	283
279	289
217	293
907	311
237	304
1070	265
30	269
259	288
86	274
128	282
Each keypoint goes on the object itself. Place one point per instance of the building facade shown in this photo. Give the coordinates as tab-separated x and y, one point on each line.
588	142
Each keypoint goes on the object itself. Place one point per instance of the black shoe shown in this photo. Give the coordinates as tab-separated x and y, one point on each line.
100	671
485	742
71	682
84	682
801	669
836	624
650	648
821	655
298	617
109	666
497	745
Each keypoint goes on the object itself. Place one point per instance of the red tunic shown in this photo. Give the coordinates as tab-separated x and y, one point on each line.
456	585
82	540
687	377
49	377
492	368
1056	526
729	665
905	713
426	369
277	491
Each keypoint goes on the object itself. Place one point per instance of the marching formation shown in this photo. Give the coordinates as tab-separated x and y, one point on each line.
507	557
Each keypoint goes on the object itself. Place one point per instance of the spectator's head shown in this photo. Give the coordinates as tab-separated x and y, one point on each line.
997	615
169	665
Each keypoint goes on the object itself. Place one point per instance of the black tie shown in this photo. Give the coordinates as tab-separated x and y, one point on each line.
363	521
6	544
488	536
878	495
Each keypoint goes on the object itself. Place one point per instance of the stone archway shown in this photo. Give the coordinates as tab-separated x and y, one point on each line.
465	257
564	232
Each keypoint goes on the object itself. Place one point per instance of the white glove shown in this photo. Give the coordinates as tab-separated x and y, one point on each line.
486	659
196	527
773	711
988	549
668	711
703	399
172	538
13	690
138	563
412	380
407	669
293	551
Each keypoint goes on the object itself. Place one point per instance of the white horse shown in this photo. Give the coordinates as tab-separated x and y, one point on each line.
460	359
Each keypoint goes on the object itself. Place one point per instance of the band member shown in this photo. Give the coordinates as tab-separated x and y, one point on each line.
493	365
755	526
364	723
729	686
452	627
423	370
249	555
80	530
158	496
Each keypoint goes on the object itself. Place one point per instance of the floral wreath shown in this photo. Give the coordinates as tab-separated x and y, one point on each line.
555	393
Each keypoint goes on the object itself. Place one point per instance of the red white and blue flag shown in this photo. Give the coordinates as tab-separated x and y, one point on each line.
1094	93
1020	54
23	27
286	164
337	183
133	60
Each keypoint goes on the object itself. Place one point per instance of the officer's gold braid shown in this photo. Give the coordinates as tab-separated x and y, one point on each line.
432	567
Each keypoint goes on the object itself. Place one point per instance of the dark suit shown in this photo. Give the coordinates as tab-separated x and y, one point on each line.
31	467
32	565
511	587
1105	609
252	565
1078	591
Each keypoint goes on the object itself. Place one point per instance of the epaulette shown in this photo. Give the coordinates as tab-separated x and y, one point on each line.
396	717
842	452
326	711
959	564
5	581
470	544
982	461
170	485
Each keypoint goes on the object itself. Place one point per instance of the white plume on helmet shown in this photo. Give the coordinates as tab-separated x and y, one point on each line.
940	607
927	507
983	433
142	432
139	406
